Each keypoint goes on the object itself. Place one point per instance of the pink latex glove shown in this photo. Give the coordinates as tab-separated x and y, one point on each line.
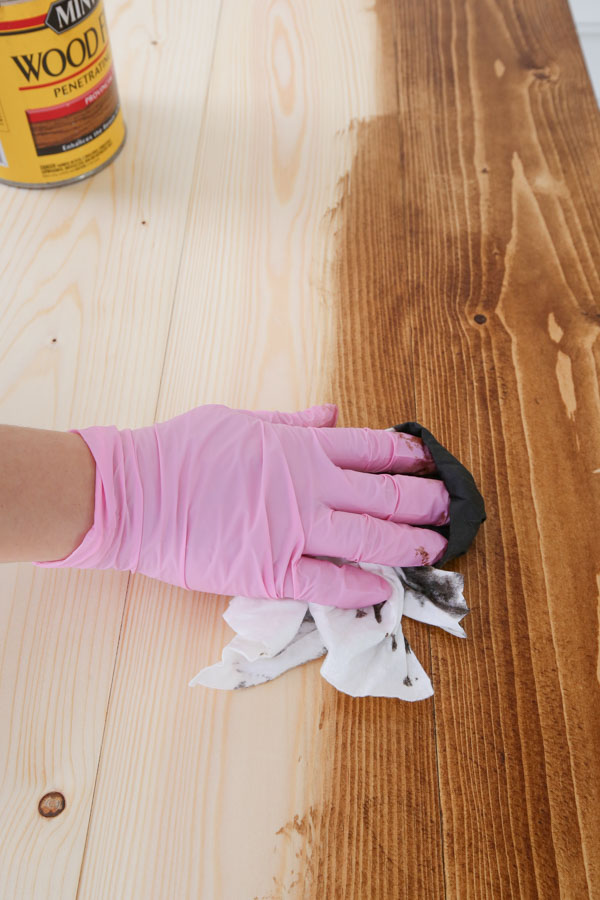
230	501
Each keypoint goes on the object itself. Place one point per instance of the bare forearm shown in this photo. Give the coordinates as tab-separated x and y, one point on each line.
47	488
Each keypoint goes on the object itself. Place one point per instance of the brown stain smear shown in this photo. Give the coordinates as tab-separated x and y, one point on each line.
474	197
423	555
376	831
501	170
65	129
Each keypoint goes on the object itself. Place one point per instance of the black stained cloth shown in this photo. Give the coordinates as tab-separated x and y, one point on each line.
467	509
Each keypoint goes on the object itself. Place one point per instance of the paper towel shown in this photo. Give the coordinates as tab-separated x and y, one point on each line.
366	651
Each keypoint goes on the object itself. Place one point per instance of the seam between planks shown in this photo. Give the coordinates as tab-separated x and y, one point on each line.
189	206
128	587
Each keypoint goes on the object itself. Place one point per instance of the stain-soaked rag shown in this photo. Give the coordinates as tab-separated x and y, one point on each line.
366	651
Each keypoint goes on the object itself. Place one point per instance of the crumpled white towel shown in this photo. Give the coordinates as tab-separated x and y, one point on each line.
367	653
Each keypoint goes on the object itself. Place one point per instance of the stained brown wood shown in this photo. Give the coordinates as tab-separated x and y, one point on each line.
466	272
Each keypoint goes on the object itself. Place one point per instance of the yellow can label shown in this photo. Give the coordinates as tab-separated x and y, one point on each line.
60	115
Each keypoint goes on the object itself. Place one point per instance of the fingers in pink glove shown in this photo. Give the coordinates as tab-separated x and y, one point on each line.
398	498
364	538
347	587
373	450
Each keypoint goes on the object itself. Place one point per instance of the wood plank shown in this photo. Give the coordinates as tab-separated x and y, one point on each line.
88	278
290	790
500	138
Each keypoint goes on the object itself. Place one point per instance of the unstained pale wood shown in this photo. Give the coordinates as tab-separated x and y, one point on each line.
88	274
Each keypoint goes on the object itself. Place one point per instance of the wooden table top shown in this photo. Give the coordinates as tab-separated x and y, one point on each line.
391	207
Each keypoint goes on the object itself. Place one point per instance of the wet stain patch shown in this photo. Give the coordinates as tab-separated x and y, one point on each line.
423	555
444	592
300	832
377	611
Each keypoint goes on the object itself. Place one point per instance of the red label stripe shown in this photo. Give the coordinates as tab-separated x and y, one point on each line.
71	106
23	23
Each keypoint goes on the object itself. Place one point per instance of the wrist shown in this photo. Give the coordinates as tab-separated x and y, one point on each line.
46	493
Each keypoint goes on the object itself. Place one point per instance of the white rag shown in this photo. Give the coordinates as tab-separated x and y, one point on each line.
367	653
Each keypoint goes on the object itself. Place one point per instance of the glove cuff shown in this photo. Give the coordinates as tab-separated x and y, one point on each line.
113	541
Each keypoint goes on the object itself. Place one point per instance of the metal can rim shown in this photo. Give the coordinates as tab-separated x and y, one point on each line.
36	185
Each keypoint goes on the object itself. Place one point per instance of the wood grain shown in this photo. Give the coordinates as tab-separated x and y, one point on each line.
88	276
247	774
497	216
318	212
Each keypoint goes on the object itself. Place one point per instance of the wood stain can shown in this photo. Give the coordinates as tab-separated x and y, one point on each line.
60	115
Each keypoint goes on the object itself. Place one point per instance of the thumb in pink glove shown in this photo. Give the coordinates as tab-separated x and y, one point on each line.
232	501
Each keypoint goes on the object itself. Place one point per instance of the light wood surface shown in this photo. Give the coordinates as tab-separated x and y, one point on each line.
314	202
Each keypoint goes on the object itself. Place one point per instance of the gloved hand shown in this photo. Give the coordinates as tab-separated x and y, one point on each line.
231	502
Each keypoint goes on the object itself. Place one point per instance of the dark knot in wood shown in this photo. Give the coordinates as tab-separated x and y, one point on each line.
51	804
